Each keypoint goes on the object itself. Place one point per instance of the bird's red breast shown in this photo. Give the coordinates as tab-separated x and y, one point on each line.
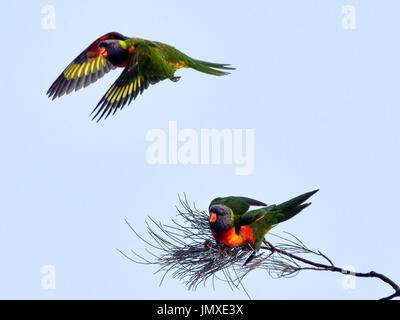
233	239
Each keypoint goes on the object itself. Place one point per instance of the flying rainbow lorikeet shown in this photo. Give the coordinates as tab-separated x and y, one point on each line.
233	225
145	62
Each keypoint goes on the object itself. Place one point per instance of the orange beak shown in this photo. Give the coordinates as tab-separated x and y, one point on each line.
103	52
213	217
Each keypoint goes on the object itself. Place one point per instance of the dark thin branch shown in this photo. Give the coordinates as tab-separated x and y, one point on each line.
333	268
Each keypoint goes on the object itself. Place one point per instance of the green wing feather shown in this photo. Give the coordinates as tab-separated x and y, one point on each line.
239	205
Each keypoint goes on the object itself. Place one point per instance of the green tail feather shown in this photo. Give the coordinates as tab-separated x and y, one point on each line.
209	67
275	214
290	208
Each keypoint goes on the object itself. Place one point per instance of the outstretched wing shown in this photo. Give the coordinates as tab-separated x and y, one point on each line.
239	205
146	66
85	69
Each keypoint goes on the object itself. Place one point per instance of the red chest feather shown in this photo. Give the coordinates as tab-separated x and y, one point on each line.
233	239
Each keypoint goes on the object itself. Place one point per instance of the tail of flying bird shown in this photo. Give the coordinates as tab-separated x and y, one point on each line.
209	67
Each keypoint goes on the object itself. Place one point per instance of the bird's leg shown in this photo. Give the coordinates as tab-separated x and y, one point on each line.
175	79
251	257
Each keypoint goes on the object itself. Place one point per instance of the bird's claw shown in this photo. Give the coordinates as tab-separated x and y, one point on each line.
175	79
250	258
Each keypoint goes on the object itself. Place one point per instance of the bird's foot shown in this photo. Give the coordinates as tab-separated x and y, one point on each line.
175	79
250	258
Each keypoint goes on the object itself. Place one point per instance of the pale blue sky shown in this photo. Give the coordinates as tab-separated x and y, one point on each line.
323	102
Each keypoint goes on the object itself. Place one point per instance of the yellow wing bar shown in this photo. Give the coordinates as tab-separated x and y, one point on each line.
92	65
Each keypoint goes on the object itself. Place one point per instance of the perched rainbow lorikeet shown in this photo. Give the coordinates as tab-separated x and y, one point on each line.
144	62
233	225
